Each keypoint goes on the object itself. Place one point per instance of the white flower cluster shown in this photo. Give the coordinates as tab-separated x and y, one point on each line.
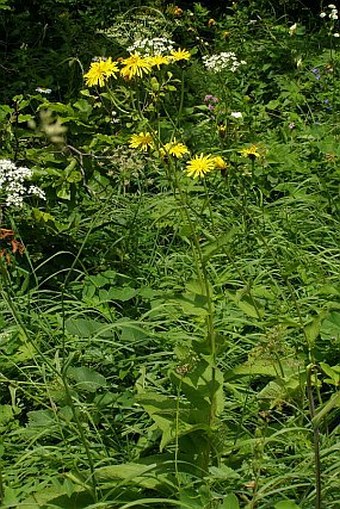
236	114
221	61
12	180
150	47
42	90
333	15
293	29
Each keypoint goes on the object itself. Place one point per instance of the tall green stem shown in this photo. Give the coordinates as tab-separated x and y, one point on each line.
316	437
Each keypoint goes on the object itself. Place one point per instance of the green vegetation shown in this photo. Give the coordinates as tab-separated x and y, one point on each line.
169	255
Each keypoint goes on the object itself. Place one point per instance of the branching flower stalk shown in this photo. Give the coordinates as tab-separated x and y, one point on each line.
196	167
150	138
171	169
146	74
204	281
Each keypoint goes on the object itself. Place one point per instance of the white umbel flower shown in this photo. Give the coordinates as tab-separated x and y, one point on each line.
12	180
226	60
151	47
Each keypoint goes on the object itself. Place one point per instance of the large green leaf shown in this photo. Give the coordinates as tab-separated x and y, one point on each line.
331	326
41	418
266	367
286	504
230	502
333	402
213	247
312	329
87	327
247	304
171	416
333	372
191	304
86	379
203	386
142	475
223	473
121	294
58	496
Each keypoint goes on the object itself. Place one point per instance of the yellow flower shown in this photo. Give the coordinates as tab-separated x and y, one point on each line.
177	11
174	10
135	65
220	163
222	129
100	71
179	54
175	149
158	60
252	152
198	166
141	141
211	22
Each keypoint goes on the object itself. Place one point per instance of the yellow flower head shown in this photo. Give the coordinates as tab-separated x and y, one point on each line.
158	60
100	71
175	149
135	65
220	163
174	10
178	11
252	152
179	54
141	141
198	166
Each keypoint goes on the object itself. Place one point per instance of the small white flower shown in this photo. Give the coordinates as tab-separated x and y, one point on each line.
114	119
331	6
236	114
336	34
292	29
334	15
43	90
323	15
36	191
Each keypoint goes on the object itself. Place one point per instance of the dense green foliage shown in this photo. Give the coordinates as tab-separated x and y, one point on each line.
169	341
